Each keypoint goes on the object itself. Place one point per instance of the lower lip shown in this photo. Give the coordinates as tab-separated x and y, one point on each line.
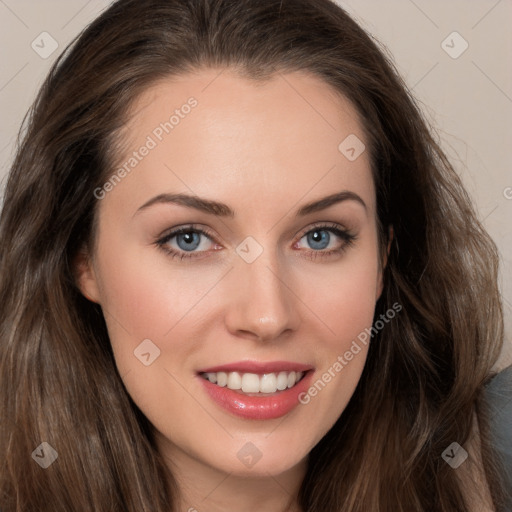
258	407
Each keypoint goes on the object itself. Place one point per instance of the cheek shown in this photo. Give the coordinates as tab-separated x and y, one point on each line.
146	297
347	303
344	301
147	310
343	295
144	294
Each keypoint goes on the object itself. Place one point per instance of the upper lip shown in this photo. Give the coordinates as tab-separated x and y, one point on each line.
258	367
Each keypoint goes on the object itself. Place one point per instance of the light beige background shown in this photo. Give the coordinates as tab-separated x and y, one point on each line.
468	99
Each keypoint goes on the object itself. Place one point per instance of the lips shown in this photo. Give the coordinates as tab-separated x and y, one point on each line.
256	390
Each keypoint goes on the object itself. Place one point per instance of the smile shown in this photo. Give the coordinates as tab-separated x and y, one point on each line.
253	383
255	390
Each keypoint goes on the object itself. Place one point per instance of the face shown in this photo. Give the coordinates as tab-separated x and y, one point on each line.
264	287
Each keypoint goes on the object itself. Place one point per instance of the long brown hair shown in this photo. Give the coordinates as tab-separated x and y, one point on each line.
425	371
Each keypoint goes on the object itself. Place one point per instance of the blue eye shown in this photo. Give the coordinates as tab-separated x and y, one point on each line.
188	239
322	237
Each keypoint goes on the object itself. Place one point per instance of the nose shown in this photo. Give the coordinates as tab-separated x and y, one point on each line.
263	304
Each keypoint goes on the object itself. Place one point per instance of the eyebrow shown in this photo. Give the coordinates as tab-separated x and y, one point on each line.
223	210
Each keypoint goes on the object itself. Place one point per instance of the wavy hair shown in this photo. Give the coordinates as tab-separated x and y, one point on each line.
425	372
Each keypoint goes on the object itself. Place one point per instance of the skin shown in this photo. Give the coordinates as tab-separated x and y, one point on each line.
264	149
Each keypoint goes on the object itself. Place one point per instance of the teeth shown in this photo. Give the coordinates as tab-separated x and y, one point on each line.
212	377
254	383
234	380
268	383
222	378
250	383
282	381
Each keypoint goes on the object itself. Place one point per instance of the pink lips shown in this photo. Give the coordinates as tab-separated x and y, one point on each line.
263	407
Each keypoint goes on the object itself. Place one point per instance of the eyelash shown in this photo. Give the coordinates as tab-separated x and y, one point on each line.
346	236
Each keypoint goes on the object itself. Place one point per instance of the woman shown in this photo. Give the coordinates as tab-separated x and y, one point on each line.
175	335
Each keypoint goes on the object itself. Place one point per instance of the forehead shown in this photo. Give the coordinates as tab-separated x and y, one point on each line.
213	130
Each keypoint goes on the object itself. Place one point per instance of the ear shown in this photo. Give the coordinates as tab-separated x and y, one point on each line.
85	275
384	260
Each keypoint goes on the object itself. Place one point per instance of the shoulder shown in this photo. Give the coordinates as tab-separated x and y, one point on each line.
498	397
